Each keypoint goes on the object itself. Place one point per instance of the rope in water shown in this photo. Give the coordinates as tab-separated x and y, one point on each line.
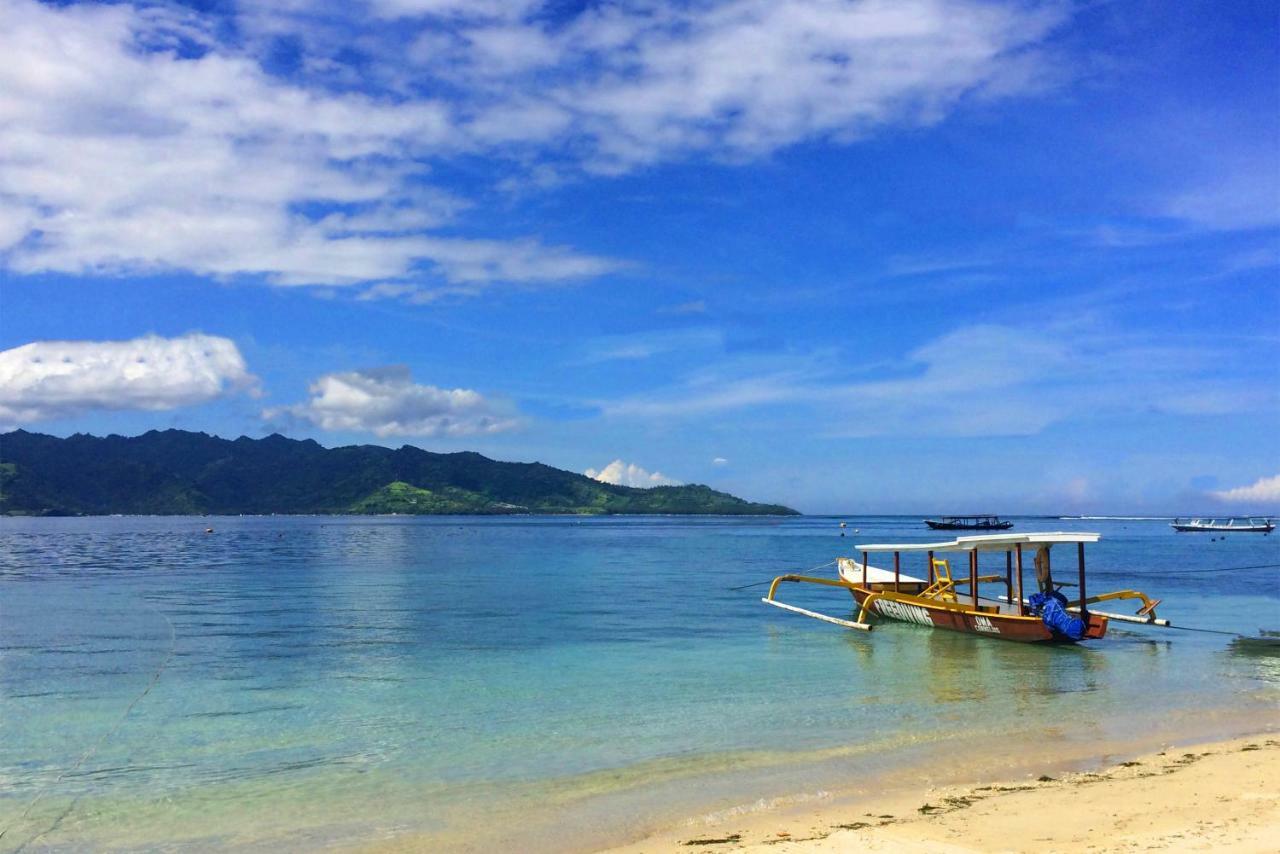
1206	631
84	757
1220	569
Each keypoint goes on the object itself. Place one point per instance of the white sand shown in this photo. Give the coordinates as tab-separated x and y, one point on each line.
1217	797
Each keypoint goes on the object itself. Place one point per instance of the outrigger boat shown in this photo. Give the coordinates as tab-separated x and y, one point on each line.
1233	524
969	523
937	599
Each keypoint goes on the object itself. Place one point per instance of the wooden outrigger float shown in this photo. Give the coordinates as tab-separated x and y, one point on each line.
946	600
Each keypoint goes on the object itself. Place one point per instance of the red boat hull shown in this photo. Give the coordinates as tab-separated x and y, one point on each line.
913	609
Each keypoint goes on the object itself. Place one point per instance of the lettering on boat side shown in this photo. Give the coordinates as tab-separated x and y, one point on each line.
903	611
983	624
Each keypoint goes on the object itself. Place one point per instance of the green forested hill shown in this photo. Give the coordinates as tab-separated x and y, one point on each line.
179	472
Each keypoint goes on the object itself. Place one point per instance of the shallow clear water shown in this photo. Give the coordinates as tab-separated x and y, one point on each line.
330	680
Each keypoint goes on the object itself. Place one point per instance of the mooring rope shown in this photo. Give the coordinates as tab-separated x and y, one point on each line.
1206	631
770	581
84	757
1220	569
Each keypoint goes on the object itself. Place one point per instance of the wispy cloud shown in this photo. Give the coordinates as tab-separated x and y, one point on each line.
144	137
646	345
692	307
983	380
45	380
387	402
1238	190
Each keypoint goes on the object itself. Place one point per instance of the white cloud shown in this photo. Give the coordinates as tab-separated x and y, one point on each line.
117	158
140	137
58	379
744	78
629	474
386	402
719	461
1263	489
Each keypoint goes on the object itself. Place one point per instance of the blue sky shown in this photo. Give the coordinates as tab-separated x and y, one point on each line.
922	256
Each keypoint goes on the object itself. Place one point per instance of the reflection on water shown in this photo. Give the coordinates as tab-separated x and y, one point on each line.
331	679
1260	654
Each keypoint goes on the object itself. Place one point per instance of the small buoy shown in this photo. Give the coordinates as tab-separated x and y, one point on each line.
208	530
842	524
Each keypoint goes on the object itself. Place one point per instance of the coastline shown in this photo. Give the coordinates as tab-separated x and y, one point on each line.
864	796
1216	795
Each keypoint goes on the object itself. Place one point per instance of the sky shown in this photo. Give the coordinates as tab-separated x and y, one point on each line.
920	256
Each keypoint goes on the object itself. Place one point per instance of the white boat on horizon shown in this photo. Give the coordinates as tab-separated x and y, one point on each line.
1229	524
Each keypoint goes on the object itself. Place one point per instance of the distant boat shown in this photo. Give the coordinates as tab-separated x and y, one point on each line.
1231	524
969	523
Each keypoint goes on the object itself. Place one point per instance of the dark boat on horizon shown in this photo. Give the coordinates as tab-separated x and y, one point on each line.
969	523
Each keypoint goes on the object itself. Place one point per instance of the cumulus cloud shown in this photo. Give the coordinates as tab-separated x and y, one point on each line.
387	402
157	137
59	379
1263	489
629	474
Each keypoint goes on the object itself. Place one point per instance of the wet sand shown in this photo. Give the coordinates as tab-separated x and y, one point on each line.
1222	796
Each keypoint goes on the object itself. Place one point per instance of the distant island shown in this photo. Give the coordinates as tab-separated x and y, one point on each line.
177	472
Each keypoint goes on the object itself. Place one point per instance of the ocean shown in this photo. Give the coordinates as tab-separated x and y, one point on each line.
546	683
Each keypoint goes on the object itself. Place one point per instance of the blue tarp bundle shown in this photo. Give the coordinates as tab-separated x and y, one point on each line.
1051	607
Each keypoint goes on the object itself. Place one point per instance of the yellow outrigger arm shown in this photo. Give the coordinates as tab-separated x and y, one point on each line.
828	582
1146	615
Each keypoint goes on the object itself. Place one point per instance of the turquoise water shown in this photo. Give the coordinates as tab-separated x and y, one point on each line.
308	681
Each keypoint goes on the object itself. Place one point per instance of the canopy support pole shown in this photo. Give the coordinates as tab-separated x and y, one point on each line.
1008	575
1084	597
1022	604
973	577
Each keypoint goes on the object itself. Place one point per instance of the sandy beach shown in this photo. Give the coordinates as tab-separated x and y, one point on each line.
1222	796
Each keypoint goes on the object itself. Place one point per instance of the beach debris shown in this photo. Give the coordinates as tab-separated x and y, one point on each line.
1045	778
724	840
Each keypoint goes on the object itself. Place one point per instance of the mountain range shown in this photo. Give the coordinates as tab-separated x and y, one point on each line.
178	472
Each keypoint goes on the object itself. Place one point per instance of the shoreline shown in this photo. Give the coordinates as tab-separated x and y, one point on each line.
1219	795
795	805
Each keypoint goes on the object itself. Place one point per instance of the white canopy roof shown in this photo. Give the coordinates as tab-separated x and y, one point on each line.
989	542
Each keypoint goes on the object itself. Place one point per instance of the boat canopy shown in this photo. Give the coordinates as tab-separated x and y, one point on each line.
989	542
